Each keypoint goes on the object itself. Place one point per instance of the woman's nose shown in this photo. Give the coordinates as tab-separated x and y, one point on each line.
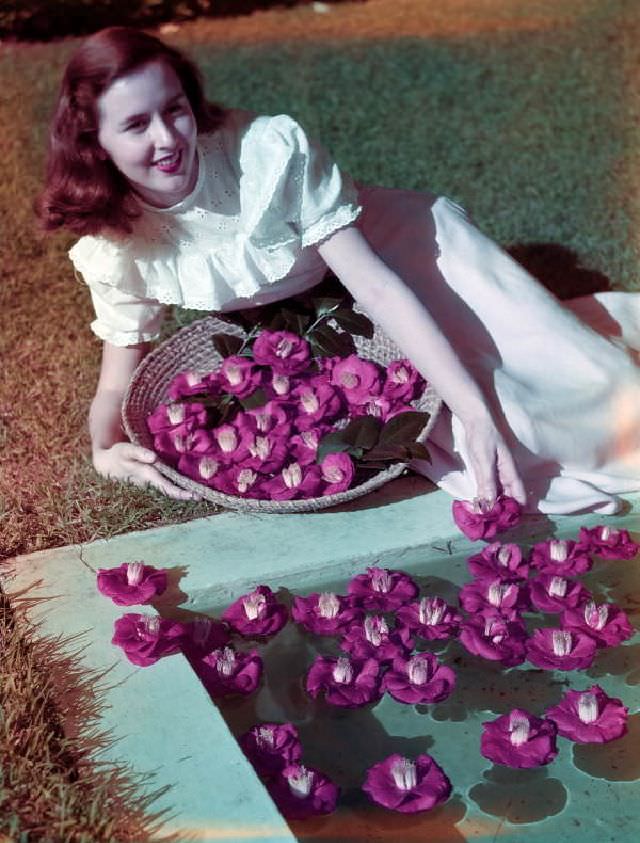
162	132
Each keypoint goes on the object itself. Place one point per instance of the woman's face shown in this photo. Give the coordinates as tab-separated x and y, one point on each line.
147	128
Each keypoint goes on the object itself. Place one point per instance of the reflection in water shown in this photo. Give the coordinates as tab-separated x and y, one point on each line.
618	761
520	796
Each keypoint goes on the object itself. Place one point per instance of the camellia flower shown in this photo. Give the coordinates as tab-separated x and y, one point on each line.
480	519
407	786
227	671
257	614
303	446
270	747
294	481
509	597
285	352
564	558
608	542
337	471
418	679
232	446
325	613
374	640
239	376
589	716
274	415
132	583
431	618
269	452
559	649
553	593
382	589
349	683
316	401
358	379
519	739
147	638
204	635
190	383
403	382
499	560
203	468
494	637
607	624
302	792
178	416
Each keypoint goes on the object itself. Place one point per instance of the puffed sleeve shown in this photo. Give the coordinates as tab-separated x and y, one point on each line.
122	317
297	187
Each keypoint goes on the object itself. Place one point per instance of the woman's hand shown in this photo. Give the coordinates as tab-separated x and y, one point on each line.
491	461
133	463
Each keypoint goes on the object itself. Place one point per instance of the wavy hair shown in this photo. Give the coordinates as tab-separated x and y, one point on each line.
84	192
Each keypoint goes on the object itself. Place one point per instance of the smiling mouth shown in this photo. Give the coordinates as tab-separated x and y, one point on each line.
170	163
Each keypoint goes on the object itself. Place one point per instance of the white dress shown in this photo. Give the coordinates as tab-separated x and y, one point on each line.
563	379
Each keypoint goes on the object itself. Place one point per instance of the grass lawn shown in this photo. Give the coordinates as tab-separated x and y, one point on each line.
524	112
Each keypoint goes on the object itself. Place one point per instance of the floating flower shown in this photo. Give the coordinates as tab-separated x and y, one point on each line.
374	640
559	649
285	352
509	597
608	542
131	583
358	379
418	679
202	636
589	716
270	747
239	376
147	638
431	618
480	519
407	786
382	589
564	558
519	739
256	614
553	593
227	671
349	683
326	613
499	560
294	481
337	471
607	624
494	637
403	382
302	792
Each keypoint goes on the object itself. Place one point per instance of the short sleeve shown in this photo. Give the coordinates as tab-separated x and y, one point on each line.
122	318
300	184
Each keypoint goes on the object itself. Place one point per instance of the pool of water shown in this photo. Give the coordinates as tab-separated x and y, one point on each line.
589	792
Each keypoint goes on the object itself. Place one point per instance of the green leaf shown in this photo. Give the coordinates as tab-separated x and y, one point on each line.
331	443
326	304
329	342
394	452
257	399
226	344
354	323
418	451
362	432
404	428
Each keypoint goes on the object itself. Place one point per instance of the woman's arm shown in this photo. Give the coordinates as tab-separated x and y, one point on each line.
396	308
113	455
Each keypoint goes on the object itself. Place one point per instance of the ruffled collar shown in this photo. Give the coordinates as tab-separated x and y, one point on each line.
189	200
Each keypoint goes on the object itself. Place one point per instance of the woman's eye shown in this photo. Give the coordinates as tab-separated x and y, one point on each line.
136	126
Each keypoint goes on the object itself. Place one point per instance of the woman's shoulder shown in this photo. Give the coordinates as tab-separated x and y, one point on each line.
103	258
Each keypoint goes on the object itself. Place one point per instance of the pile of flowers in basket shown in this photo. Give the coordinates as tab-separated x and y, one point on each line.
282	417
381	626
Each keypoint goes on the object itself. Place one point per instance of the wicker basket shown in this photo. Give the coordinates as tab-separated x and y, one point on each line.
192	348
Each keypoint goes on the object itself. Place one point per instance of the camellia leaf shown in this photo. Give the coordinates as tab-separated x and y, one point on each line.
328	341
226	344
418	451
404	428
332	443
258	398
354	323
326	304
390	452
362	432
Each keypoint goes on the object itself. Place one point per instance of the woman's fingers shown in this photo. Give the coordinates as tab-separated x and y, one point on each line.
143	474
510	480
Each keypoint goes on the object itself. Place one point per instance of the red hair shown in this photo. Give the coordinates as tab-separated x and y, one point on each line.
84	192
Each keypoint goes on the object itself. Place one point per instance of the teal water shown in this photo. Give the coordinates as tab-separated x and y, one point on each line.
589	792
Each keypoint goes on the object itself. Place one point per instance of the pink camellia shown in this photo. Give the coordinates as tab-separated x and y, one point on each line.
519	739
315	401
553	593
403	382
202	636
190	383
499	560
270	747
608	542
176	442
407	786
239	376
509	597
131	583
278	386
295	481
274	415
231	444
326	613
380	408
286	353
480	519
226	671
431	618
147	638
607	624
418	679
358	379
256	614
492	636
301	792
348	683
241	482
559	649
374	640
181	417
337	471
203	468
303	446
564	558
382	589
589	716
268	453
